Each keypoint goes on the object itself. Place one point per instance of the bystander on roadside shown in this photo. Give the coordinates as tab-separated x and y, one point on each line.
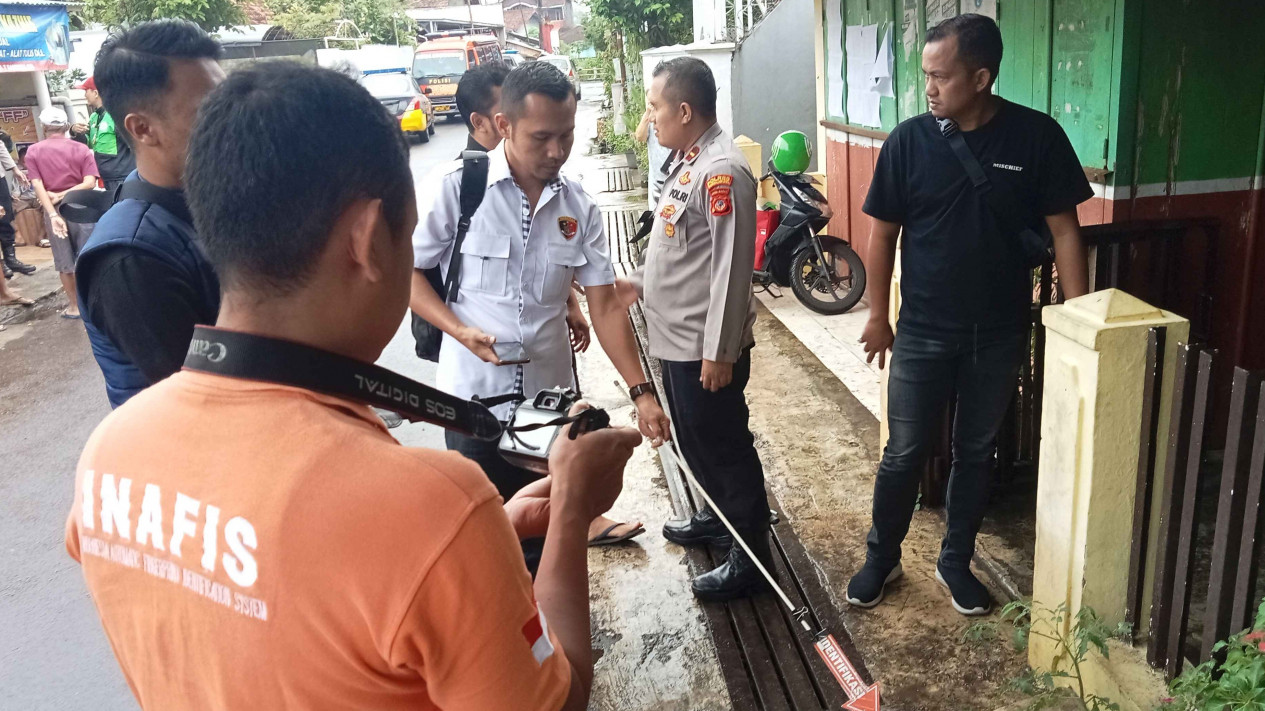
56	166
113	155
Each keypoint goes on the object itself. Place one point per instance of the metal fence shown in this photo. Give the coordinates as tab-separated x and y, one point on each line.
1190	514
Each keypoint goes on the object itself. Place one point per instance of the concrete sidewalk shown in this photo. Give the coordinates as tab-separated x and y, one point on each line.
835	340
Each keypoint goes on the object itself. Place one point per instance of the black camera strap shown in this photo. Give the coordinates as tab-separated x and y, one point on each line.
250	357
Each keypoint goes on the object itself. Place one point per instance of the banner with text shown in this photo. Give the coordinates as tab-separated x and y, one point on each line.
33	38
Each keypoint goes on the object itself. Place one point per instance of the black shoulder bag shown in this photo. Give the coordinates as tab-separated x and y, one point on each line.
1033	247
474	182
88	206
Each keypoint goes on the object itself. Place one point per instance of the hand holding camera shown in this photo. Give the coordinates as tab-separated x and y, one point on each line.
588	471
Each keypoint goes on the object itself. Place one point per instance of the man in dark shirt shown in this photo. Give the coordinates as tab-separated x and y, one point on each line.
965	289
479	101
144	282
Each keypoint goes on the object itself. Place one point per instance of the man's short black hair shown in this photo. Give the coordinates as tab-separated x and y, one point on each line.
979	41
690	81
132	67
264	194
475	93
533	78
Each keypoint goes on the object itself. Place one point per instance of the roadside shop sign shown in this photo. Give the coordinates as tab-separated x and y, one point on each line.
34	38
19	123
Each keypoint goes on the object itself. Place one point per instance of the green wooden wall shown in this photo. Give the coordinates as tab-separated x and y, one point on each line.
1062	57
1197	106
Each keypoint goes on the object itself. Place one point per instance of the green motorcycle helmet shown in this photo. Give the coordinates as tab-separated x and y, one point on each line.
792	152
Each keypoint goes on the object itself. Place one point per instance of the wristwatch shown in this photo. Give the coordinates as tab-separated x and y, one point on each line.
637	391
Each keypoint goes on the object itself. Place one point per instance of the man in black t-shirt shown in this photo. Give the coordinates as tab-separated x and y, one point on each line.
965	289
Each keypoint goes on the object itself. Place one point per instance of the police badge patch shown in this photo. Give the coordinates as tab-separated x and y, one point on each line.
718	194
568	226
721	204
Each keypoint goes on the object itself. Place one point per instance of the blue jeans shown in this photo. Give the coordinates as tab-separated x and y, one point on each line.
925	370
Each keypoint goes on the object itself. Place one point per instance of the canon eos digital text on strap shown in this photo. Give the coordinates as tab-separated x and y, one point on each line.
251	357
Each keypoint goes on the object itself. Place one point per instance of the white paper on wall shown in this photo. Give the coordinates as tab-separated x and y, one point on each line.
988	8
884	63
861	42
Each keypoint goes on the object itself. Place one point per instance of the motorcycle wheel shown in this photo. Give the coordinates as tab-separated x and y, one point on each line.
833	290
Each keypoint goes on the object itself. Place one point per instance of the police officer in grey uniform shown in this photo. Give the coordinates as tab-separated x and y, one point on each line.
699	309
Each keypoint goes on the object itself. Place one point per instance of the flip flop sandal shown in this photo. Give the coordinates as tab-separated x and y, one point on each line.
18	301
606	539
72	317
45	243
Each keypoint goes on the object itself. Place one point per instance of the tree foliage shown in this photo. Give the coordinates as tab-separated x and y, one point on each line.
209	14
652	23
382	21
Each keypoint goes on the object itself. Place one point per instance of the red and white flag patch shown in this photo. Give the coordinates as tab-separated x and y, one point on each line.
536	632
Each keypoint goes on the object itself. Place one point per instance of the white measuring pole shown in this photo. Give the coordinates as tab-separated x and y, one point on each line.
670	449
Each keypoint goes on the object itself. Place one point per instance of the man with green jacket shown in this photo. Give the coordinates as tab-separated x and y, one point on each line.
114	156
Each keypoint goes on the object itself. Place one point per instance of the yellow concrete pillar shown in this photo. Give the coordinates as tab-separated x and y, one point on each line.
753	152
1090	430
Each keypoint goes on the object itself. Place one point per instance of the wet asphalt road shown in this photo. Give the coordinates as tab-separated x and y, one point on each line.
53	653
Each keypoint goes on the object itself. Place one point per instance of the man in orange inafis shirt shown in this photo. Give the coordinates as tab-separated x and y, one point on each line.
256	546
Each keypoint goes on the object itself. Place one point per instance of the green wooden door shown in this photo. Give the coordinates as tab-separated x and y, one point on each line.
1081	96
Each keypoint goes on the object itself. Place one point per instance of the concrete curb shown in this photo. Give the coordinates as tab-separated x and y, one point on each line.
43	287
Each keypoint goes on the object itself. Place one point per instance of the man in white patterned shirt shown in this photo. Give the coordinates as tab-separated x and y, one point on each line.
534	233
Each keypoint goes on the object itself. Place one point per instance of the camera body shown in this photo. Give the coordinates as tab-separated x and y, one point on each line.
529	448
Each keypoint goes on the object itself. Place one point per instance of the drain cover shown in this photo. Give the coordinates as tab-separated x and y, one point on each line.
621	224
618	179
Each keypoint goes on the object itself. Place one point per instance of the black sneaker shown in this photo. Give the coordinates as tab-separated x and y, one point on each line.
969	596
867	587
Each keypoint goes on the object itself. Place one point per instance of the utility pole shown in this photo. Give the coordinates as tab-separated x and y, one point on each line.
617	90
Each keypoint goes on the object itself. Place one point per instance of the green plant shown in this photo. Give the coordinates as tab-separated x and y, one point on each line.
60	81
209	14
1233	679
382	21
1073	644
647	23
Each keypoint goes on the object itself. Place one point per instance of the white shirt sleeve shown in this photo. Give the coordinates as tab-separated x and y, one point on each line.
438	210
597	269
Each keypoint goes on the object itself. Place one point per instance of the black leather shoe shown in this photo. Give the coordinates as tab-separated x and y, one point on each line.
18	266
13	264
701	529
737	576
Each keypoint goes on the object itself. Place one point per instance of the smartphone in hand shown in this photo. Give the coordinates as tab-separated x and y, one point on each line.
511	353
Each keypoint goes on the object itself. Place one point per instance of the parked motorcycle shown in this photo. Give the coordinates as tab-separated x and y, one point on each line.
822	270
